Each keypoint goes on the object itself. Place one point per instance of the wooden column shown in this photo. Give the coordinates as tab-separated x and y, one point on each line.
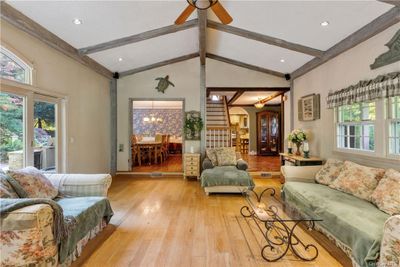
113	127
282	129
203	103
292	111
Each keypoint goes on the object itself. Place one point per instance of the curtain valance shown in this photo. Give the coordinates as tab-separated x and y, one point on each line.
382	86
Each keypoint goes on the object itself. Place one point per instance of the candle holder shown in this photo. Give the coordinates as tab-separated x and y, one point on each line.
306	154
290	150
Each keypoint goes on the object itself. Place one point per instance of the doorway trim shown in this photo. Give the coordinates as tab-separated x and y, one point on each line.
130	123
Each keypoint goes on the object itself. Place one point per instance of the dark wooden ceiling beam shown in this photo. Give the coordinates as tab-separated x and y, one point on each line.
138	37
371	29
248	89
202	17
158	64
236	96
25	24
270	97
264	39
245	65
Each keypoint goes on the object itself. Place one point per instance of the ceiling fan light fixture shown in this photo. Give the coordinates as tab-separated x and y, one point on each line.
202	4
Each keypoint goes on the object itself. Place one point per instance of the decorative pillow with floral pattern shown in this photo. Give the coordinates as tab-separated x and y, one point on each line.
6	190
358	180
329	172
211	155
387	194
226	156
34	183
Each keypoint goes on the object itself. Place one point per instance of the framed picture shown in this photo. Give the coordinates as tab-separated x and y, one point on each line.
309	107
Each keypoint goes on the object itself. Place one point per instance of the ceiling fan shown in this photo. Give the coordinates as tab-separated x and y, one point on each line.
215	5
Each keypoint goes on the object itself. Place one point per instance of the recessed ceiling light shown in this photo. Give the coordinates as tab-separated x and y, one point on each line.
282	60
120	59
77	21
324	23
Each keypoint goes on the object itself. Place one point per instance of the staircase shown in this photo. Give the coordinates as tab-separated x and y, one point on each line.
218	132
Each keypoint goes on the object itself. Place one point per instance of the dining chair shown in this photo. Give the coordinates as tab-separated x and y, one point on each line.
135	150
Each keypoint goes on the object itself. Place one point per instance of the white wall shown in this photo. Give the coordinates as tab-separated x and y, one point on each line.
340	72
186	77
88	100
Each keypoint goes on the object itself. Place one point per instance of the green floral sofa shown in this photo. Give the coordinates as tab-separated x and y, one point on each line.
27	234
368	235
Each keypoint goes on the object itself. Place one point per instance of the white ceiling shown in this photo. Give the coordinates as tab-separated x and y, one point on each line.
228	94
157	104
250	98
294	21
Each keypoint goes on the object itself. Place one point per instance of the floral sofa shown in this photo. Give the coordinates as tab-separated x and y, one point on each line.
359	207
27	234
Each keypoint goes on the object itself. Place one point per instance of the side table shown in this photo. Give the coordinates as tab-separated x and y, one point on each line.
191	165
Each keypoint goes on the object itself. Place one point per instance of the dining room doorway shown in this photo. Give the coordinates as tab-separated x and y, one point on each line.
156	135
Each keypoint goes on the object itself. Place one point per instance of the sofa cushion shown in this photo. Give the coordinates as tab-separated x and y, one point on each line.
6	190
358	180
33	183
226	156
354	222
88	213
387	194
225	175
329	172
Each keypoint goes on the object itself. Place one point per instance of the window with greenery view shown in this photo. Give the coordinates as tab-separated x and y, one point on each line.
356	126
13	68
394	125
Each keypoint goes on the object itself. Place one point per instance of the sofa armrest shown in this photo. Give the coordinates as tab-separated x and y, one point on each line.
242	165
207	164
27	237
300	173
390	253
81	185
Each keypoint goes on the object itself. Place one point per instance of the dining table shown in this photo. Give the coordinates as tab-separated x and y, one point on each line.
148	146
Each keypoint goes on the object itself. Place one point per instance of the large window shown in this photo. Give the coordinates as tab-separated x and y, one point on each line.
394	125
13	68
356	126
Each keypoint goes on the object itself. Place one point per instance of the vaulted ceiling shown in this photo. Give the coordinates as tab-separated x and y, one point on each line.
295	22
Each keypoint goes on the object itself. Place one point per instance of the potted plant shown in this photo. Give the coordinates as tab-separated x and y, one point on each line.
193	125
297	136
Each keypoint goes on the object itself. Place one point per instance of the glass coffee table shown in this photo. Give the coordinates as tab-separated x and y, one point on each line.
278	229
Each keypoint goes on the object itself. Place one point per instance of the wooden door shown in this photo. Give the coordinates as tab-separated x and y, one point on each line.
268	137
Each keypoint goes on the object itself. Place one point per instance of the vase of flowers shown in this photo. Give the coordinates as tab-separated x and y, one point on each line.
297	137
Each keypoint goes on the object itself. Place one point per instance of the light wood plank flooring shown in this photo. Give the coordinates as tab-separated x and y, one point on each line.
169	221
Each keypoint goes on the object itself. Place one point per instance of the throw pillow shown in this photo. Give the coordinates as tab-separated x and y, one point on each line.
6	190
226	156
329	172
387	194
358	180
210	152
34	183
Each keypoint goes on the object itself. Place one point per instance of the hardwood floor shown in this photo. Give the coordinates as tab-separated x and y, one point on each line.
169	221
172	164
263	163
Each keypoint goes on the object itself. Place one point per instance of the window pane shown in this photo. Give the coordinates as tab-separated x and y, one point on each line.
394	137
355	112
44	136
395	107
11	132
9	69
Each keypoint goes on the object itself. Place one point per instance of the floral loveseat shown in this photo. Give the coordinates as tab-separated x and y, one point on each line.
359	206
27	234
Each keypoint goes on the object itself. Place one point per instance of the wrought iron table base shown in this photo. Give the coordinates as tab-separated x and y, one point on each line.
279	232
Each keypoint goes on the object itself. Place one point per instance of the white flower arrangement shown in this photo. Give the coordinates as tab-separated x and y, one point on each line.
297	136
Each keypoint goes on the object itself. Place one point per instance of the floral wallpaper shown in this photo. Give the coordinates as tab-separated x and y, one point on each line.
172	122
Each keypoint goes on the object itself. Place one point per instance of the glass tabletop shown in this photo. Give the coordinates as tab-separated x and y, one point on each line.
265	203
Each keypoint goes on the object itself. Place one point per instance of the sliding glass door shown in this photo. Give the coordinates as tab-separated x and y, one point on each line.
12	131
30	131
